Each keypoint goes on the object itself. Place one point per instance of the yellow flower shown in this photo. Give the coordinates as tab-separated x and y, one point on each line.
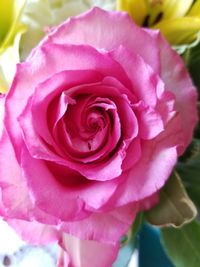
178	20
10	32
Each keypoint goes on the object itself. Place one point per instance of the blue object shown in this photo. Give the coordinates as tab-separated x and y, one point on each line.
125	254
151	253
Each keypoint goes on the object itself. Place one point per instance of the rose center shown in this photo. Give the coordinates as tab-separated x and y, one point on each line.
87	123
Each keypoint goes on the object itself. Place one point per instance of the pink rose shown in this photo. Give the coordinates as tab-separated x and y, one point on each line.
94	122
84	253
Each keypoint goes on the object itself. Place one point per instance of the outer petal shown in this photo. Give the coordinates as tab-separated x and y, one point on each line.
2	208
85	253
112	29
140	73
75	201
158	159
150	123
35	232
2	100
107	227
15	196
49	193
149	202
180	84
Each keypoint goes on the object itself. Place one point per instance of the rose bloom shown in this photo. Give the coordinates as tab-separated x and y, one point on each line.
93	124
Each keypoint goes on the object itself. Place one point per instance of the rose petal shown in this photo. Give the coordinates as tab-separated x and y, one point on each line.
79	199
159	156
133	154
35	112
101	171
16	201
15	197
112	29
180	84
150	123
47	188
85	253
99	226
107	170
166	106
149	202
86	143
49	90
144	80
35	232
42	66
2	208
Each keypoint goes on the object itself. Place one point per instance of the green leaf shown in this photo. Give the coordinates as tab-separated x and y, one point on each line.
190	169
190	174
175	207
192	151
137	224
192	59
183	245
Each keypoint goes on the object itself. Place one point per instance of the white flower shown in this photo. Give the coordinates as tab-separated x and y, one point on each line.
106	4
39	15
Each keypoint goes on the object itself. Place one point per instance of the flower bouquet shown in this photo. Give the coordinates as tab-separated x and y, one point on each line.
99	131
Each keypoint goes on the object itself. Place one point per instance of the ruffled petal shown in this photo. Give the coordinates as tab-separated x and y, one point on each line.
140	74
149	175
35	232
64	186
108	226
180	84
14	193
112	29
